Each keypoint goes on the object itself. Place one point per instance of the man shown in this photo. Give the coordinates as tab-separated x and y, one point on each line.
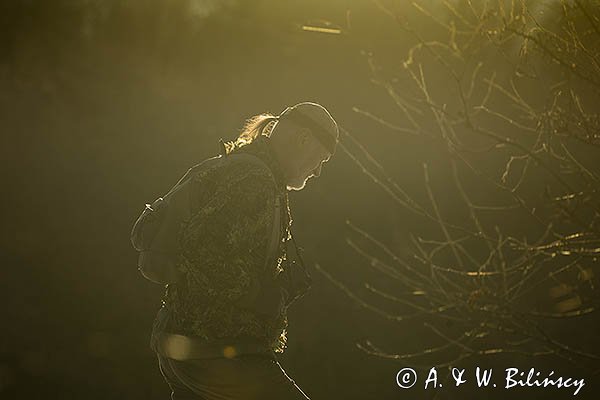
224	321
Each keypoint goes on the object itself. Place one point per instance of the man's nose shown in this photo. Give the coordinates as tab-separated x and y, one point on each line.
317	172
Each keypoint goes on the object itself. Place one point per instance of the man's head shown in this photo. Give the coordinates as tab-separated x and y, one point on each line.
304	137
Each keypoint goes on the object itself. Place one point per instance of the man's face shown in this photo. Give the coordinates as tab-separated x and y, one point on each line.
310	162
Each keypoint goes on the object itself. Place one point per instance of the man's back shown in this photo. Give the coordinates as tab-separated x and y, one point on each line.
223	248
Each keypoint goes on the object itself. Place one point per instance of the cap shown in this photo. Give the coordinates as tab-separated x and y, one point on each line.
315	117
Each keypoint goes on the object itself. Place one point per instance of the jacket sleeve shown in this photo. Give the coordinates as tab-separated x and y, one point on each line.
224	243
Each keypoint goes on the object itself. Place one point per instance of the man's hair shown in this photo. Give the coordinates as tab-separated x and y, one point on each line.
260	124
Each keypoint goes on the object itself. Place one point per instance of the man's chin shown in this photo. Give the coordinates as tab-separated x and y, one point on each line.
298	186
290	188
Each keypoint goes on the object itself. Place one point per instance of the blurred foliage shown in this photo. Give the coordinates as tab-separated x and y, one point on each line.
507	92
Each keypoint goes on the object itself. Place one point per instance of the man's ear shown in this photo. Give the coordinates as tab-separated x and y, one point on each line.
303	136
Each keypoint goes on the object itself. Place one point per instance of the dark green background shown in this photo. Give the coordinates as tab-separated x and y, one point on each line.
104	105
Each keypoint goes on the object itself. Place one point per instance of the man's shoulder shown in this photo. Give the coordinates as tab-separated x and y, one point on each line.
232	179
235	169
247	165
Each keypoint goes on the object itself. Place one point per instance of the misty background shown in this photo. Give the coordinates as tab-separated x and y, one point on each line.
106	104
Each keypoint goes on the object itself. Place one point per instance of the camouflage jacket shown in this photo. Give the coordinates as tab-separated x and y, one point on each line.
223	249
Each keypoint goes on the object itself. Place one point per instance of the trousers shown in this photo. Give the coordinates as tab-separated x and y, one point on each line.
247	377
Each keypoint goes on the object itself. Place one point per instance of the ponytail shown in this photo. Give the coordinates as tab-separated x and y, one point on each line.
255	126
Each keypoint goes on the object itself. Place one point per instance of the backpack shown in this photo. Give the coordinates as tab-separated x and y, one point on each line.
154	232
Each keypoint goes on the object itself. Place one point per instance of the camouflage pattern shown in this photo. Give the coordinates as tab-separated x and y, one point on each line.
223	248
